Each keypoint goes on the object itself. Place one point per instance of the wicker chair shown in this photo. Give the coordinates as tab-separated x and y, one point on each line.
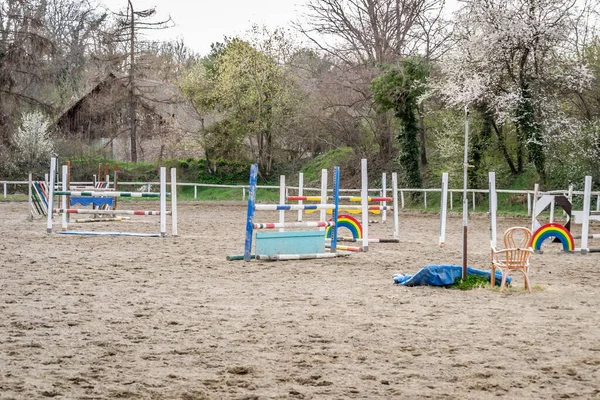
514	257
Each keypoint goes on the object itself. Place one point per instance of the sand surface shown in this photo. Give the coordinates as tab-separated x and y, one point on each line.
169	318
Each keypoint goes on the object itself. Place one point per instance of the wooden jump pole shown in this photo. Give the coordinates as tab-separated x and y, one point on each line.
287	207
107	212
307	224
107	194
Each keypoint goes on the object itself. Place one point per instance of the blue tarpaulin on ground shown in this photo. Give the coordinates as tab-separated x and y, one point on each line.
442	275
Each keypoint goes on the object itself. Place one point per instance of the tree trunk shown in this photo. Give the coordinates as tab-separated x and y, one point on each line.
409	153
479	142
503	149
384	137
531	133
132	99
422	135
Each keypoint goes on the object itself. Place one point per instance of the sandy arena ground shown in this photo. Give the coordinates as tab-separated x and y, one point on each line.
149	318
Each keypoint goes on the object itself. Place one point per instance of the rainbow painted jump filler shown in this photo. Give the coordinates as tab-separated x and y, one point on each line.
561	233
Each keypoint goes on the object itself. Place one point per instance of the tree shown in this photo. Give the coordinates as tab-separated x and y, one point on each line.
32	145
399	89
131	24
247	84
515	60
24	51
364	34
73	27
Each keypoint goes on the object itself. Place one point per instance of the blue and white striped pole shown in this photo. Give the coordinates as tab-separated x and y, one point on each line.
250	215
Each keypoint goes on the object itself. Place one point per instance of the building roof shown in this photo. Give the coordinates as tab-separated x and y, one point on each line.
162	98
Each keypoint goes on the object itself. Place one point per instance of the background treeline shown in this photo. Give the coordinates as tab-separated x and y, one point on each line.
378	79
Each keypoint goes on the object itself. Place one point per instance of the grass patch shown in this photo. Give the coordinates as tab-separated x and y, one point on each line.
312	170
470	282
227	194
14	197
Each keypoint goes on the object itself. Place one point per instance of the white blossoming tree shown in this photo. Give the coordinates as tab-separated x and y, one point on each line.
516	62
32	145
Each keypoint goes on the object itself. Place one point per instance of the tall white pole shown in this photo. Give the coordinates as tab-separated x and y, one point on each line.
585	224
395	199
383	194
65	174
29	195
323	216
364	194
301	193
173	201
51	194
534	223
281	200
163	201
493	198
443	209
465	199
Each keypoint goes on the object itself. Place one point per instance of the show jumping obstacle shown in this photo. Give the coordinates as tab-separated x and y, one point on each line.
561	233
288	245
364	208
65	211
38	192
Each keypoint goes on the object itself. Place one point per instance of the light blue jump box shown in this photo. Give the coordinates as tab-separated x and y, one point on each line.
295	242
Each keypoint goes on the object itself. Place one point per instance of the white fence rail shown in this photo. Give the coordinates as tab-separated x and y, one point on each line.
402	192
